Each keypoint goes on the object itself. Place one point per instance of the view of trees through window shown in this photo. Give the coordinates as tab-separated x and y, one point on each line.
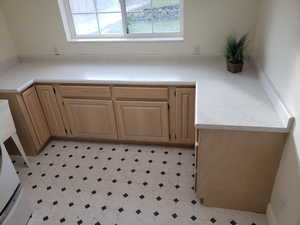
125	17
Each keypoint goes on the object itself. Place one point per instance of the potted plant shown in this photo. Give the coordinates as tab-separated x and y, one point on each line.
234	53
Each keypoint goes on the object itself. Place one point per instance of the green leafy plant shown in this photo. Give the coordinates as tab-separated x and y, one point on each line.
235	49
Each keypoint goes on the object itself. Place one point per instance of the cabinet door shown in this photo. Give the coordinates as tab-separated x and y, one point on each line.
36	115
185	114
91	118
50	107
143	121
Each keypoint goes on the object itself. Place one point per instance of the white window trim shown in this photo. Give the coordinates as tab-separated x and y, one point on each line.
153	37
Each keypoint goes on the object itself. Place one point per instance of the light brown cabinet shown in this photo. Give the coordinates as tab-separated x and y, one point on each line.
185	114
51	110
237	169
91	118
36	116
143	121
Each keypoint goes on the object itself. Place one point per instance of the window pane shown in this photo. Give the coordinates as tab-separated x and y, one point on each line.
166	21
137	5
82	6
108	6
86	24
140	22
110	23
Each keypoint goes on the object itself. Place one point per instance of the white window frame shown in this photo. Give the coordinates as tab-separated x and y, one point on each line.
71	35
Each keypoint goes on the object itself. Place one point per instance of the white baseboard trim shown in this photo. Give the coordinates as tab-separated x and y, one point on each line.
271	215
283	112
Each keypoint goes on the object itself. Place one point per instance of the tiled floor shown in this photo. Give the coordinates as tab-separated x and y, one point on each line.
107	184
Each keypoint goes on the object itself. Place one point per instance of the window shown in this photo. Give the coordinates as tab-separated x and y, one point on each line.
122	19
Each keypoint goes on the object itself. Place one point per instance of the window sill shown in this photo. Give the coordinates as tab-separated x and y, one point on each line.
161	39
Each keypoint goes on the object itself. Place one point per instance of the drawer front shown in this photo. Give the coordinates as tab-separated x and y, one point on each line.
147	93
85	91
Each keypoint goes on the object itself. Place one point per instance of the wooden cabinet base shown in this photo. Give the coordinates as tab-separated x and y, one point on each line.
237	169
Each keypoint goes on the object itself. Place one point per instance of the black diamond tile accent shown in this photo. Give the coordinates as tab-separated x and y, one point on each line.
125	195
49	188
158	198
179	164
133	170
88	148
232	222
45	218
152	151
194	202
145	183
139	150
99	179
94	192
56	176
138	211
100	148
109	158
71	204
164	162
174	215
38	163
51	164
141	196
136	160
147	171
29	174
150	161
64	165
179	153
113	149
161	185
34	186
64	146
98	223
103	208
123	159
76	147
156	213
39	201
253	223
104	168
83	156
79	222
77	166
213	220
178	174
163	173
78	190
126	150
114	181
70	177
119	169
57	155
55	203
193	218
87	206
175	200
166	153
96	157
109	193
63	189
91	167
62	220
129	182
177	186
120	210
70	156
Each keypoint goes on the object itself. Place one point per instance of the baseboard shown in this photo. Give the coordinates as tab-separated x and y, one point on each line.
271	217
283	112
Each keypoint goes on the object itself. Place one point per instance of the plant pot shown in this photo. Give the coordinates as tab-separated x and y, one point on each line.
235	67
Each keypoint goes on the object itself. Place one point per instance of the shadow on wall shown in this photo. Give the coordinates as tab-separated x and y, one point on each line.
285	199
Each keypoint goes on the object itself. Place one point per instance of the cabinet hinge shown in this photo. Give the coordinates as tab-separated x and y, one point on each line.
54	91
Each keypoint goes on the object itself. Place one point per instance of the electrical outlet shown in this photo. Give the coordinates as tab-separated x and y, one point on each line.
196	50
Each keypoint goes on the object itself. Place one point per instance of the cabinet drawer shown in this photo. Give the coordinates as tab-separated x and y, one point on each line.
150	93
85	91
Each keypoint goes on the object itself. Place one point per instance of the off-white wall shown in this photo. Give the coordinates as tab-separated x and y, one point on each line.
7	49
37	28
278	53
